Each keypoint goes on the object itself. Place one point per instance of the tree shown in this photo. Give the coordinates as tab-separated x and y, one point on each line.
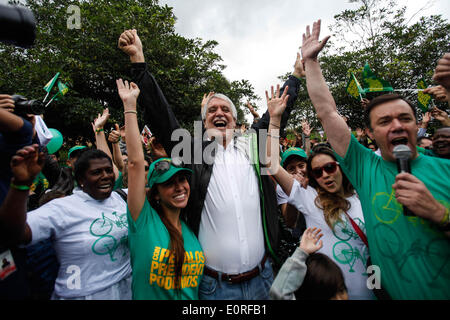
381	35
89	60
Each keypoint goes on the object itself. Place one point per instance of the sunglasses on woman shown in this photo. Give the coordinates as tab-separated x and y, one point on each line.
329	168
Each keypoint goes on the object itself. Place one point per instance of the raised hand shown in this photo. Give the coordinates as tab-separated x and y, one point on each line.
439	93
442	72
365	102
130	43
206	98
359	133
128	92
426	118
310	240
6	102
277	104
306	128
311	45
114	136
26	164
440	115
299	68
101	120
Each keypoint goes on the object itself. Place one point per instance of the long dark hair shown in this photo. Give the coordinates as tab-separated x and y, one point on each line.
176	245
323	279
331	203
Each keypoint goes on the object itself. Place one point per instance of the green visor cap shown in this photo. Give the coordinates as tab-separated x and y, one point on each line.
74	149
158	175
293	152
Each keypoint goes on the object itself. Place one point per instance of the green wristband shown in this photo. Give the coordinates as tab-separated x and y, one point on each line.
18	187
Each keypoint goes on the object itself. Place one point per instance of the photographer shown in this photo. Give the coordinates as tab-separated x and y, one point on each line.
16	132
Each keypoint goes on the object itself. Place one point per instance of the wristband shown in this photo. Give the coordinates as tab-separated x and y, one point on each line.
130	111
99	130
19	187
273	136
445	220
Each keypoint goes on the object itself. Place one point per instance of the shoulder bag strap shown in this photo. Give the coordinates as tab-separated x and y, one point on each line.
358	230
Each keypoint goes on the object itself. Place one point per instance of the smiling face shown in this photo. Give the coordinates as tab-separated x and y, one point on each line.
393	123
219	118
98	180
330	182
296	166
174	193
441	142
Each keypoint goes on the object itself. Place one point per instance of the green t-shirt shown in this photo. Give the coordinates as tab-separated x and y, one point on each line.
413	255
118	184
153	271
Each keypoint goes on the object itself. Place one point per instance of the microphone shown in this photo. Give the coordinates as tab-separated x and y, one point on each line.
402	153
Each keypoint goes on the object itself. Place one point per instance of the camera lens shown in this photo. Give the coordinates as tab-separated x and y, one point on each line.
17	26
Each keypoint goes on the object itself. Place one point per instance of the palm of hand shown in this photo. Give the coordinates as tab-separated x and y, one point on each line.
128	94
275	106
311	48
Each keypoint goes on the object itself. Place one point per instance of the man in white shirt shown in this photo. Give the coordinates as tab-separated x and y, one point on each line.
232	207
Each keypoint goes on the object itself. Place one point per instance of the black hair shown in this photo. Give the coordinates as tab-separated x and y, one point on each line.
382	99
323	279
83	162
292	157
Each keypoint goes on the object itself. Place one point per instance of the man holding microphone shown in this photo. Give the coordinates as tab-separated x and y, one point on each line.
412	252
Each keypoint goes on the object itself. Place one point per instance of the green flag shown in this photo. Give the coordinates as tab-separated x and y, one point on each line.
354	88
62	90
423	98
374	84
48	87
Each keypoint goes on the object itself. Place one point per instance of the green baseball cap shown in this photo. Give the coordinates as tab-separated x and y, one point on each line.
293	152
162	170
74	149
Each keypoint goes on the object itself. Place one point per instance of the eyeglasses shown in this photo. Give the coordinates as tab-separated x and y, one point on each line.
329	168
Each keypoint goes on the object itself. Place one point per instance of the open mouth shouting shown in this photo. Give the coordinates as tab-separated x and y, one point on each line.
399	140
220	123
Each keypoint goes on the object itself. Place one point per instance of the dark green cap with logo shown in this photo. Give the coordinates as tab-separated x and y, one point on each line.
293	152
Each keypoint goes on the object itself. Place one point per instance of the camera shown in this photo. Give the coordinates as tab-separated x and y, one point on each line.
24	106
17	26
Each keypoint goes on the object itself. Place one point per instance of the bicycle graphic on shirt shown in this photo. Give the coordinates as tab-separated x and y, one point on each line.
106	243
344	230
344	253
435	259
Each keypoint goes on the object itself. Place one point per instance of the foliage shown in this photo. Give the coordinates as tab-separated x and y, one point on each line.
89	60
398	52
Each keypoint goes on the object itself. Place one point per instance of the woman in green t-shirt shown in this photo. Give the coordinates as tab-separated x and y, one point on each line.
166	257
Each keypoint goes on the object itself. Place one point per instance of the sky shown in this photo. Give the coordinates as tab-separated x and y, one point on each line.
259	39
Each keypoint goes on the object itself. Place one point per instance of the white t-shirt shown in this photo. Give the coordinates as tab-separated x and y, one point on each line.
342	245
282	197
90	238
231	231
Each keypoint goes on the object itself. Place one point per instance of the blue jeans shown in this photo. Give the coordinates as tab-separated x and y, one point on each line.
253	289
